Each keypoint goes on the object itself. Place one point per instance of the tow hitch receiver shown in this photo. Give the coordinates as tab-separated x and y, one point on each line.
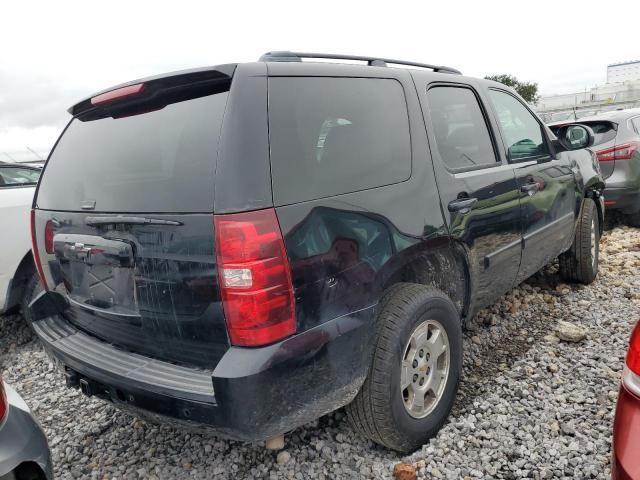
85	387
72	378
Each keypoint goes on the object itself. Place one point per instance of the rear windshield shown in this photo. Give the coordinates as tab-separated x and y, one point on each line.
604	132
336	135
160	161
12	176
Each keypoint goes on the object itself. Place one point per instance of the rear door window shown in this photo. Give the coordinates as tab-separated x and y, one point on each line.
461	132
330	136
158	161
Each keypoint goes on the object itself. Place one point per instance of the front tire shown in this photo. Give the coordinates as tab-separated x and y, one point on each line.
413	379
580	262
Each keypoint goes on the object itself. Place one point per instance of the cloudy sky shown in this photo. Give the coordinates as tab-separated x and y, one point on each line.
55	53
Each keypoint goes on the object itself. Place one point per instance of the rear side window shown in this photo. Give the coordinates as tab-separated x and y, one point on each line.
461	132
336	135
636	124
159	161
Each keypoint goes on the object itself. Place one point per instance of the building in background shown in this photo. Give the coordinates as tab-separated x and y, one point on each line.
622	90
622	72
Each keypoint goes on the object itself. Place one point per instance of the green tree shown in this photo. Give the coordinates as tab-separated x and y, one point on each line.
527	90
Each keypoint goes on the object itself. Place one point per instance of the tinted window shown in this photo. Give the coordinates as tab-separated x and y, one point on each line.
336	135
461	132
160	161
17	176
522	132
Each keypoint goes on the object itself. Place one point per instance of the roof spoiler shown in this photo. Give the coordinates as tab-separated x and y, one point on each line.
157	92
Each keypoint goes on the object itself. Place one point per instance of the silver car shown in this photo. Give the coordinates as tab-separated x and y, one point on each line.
24	452
617	146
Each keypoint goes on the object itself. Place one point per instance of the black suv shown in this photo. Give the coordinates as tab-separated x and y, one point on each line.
252	246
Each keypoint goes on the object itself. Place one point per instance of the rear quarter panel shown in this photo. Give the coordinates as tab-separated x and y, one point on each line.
15	243
375	233
625	173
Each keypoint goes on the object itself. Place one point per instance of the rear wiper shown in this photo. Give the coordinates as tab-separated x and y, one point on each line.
92	221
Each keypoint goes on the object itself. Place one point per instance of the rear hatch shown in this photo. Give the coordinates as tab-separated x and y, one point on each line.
605	133
125	204
605	138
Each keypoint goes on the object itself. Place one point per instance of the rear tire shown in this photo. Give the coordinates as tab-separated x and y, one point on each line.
580	262
384	412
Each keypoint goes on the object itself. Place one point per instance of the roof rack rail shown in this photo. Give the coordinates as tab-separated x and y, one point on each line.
285	56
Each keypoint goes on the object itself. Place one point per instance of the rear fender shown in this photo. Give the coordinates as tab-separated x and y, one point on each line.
590	181
437	263
589	176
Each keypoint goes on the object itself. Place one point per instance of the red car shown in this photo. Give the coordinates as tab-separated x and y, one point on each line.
626	426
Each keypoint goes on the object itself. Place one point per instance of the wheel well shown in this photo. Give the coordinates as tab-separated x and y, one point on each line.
444	269
594	193
29	471
25	269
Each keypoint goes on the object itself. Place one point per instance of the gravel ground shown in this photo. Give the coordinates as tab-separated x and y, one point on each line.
530	405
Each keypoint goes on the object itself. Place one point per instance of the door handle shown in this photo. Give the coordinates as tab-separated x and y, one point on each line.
462	205
530	188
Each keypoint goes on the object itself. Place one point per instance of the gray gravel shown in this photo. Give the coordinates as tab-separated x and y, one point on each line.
530	405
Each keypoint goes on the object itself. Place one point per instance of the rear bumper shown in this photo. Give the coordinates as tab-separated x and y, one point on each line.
625	462
627	200
22	441
251	395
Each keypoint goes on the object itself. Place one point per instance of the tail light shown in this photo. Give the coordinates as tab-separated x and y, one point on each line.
4	407
619	152
631	373
48	237
255	278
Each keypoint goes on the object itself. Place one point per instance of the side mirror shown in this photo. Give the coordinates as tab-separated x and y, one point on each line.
573	136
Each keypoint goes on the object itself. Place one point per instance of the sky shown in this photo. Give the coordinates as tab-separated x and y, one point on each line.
53	54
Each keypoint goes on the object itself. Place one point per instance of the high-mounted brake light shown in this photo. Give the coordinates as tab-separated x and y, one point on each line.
34	247
631	373
4	407
118	94
255	278
619	152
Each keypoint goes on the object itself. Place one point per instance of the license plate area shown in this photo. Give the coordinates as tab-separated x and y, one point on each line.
98	273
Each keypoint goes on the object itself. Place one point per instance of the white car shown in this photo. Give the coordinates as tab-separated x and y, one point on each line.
17	270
